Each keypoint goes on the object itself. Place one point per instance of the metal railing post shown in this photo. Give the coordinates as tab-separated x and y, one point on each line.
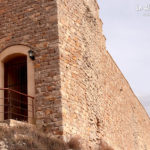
11	106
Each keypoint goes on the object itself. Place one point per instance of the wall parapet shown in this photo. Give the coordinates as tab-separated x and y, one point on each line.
94	7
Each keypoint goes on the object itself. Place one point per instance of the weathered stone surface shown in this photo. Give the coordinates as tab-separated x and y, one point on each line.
79	88
97	101
34	24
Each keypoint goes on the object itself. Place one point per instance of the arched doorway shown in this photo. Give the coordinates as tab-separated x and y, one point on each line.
15	78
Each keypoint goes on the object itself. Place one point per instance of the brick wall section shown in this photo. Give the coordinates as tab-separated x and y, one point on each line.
79	89
34	23
97	101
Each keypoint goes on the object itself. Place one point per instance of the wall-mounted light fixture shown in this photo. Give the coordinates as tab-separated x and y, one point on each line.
31	54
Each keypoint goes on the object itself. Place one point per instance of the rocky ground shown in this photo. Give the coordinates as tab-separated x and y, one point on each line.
22	136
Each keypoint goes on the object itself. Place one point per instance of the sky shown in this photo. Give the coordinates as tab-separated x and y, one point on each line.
126	26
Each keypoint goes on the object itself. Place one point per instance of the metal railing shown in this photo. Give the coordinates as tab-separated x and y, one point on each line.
16	105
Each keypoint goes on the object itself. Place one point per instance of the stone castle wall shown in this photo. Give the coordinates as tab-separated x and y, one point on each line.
79	88
34	24
97	101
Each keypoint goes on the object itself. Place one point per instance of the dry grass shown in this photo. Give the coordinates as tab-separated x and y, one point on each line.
24	137
75	143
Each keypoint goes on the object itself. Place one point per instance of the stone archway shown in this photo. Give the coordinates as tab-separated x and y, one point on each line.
11	55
